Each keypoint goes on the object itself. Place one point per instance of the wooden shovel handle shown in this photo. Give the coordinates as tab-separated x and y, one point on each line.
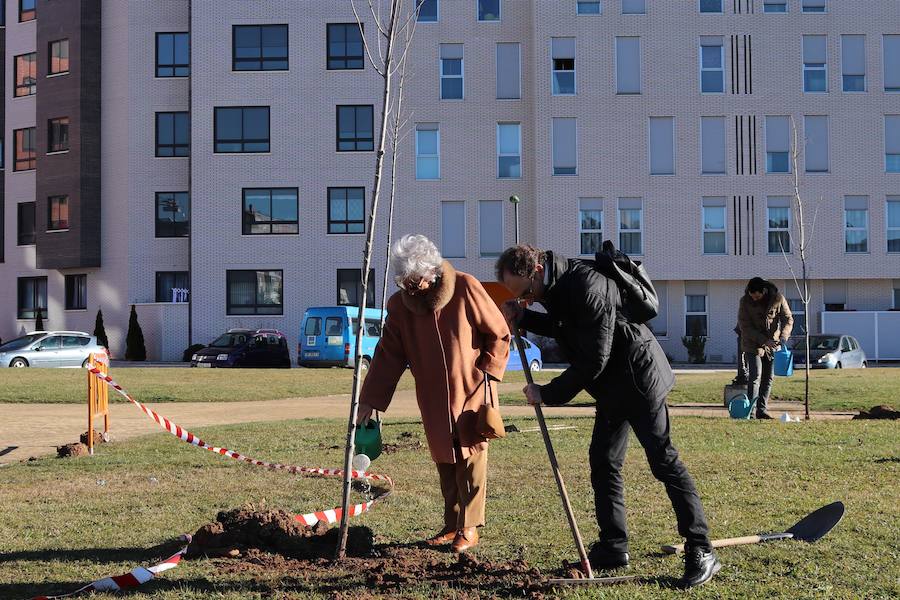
738	541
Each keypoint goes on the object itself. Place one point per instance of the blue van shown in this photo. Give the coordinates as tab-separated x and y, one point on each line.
328	336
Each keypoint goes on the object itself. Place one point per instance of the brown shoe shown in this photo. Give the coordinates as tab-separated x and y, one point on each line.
445	536
465	539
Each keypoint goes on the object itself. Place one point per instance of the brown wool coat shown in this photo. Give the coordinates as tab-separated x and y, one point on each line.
447	336
768	319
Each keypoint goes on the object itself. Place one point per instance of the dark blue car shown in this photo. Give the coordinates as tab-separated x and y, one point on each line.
245	348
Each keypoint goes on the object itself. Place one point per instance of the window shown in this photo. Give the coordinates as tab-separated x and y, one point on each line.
509	150
76	292
345	46
509	71
816	130
173	214
778	144
628	65
712	147
428	11
490	228
173	134
631	225
452	87
2	13
775	6
453	230
58	135
355	128
173	55
428	155
27	10
893	224
853	63
896	295
813	6
171	286
26	74
57	213
488	10
59	57
662	146
778	224
26	155
349	287
242	129
634	7
891	61
563	57
856	224
714	226
255	292
835	294
588	8
26	221
346	210
260	48
313	326
798	311
892	143
590	225
32	297
695	314
659	325
815	77
565	153
712	65
270	211
710	6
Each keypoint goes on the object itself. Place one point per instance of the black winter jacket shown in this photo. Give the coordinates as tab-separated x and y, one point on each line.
618	363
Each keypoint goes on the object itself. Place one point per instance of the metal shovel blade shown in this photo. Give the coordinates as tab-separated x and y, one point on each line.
817	523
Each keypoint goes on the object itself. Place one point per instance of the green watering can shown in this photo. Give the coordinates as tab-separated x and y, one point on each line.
368	438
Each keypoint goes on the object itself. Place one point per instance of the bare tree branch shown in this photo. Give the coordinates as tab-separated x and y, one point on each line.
377	66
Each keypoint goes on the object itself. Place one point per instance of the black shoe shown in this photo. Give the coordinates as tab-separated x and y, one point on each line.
699	567
763	414
603	559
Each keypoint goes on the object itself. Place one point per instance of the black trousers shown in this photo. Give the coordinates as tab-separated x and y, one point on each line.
607	454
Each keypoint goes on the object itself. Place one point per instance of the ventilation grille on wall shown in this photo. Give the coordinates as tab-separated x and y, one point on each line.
745	140
743	6
741	64
743	224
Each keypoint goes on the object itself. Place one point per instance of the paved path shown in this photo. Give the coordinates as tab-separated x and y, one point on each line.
36	429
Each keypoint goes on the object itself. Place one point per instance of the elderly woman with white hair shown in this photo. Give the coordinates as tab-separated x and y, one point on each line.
445	327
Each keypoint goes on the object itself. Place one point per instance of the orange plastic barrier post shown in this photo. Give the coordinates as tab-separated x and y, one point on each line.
98	398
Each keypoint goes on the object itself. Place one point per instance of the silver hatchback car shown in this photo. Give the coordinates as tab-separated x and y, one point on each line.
49	349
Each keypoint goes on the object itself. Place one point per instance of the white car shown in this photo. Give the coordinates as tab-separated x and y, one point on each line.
49	349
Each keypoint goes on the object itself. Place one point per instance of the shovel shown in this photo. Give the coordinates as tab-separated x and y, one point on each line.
808	529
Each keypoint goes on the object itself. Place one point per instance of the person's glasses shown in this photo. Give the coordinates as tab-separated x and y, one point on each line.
412	285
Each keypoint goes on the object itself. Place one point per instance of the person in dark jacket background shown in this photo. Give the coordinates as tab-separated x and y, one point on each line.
766	322
624	368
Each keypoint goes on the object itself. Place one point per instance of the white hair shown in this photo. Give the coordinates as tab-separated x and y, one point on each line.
415	256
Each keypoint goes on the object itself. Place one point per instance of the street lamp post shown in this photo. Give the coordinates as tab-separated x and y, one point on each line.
515	203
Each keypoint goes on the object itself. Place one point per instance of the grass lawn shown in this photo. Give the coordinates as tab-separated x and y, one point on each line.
842	390
65	522
831	390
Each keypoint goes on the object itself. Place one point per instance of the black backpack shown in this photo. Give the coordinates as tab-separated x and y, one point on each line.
639	300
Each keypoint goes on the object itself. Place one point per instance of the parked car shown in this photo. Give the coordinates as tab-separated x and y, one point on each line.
50	349
328	336
532	355
245	348
830	351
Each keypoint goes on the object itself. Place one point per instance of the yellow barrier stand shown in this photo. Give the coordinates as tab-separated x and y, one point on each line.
98	398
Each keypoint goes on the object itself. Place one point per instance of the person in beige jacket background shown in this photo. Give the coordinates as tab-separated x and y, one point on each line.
443	324
765	321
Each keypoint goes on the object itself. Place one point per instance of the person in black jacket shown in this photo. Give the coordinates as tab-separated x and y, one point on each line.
622	366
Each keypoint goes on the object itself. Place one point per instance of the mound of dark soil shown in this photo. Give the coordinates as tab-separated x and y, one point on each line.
879	412
71	450
98	438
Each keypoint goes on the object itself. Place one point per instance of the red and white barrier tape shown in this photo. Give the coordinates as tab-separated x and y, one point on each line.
141	575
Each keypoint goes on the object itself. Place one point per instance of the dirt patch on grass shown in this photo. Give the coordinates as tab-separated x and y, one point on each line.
405	441
71	450
879	412
98	438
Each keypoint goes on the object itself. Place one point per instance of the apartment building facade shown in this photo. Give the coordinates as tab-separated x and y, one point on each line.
228	148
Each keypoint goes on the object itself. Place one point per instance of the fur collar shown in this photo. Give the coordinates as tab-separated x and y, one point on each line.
437	296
